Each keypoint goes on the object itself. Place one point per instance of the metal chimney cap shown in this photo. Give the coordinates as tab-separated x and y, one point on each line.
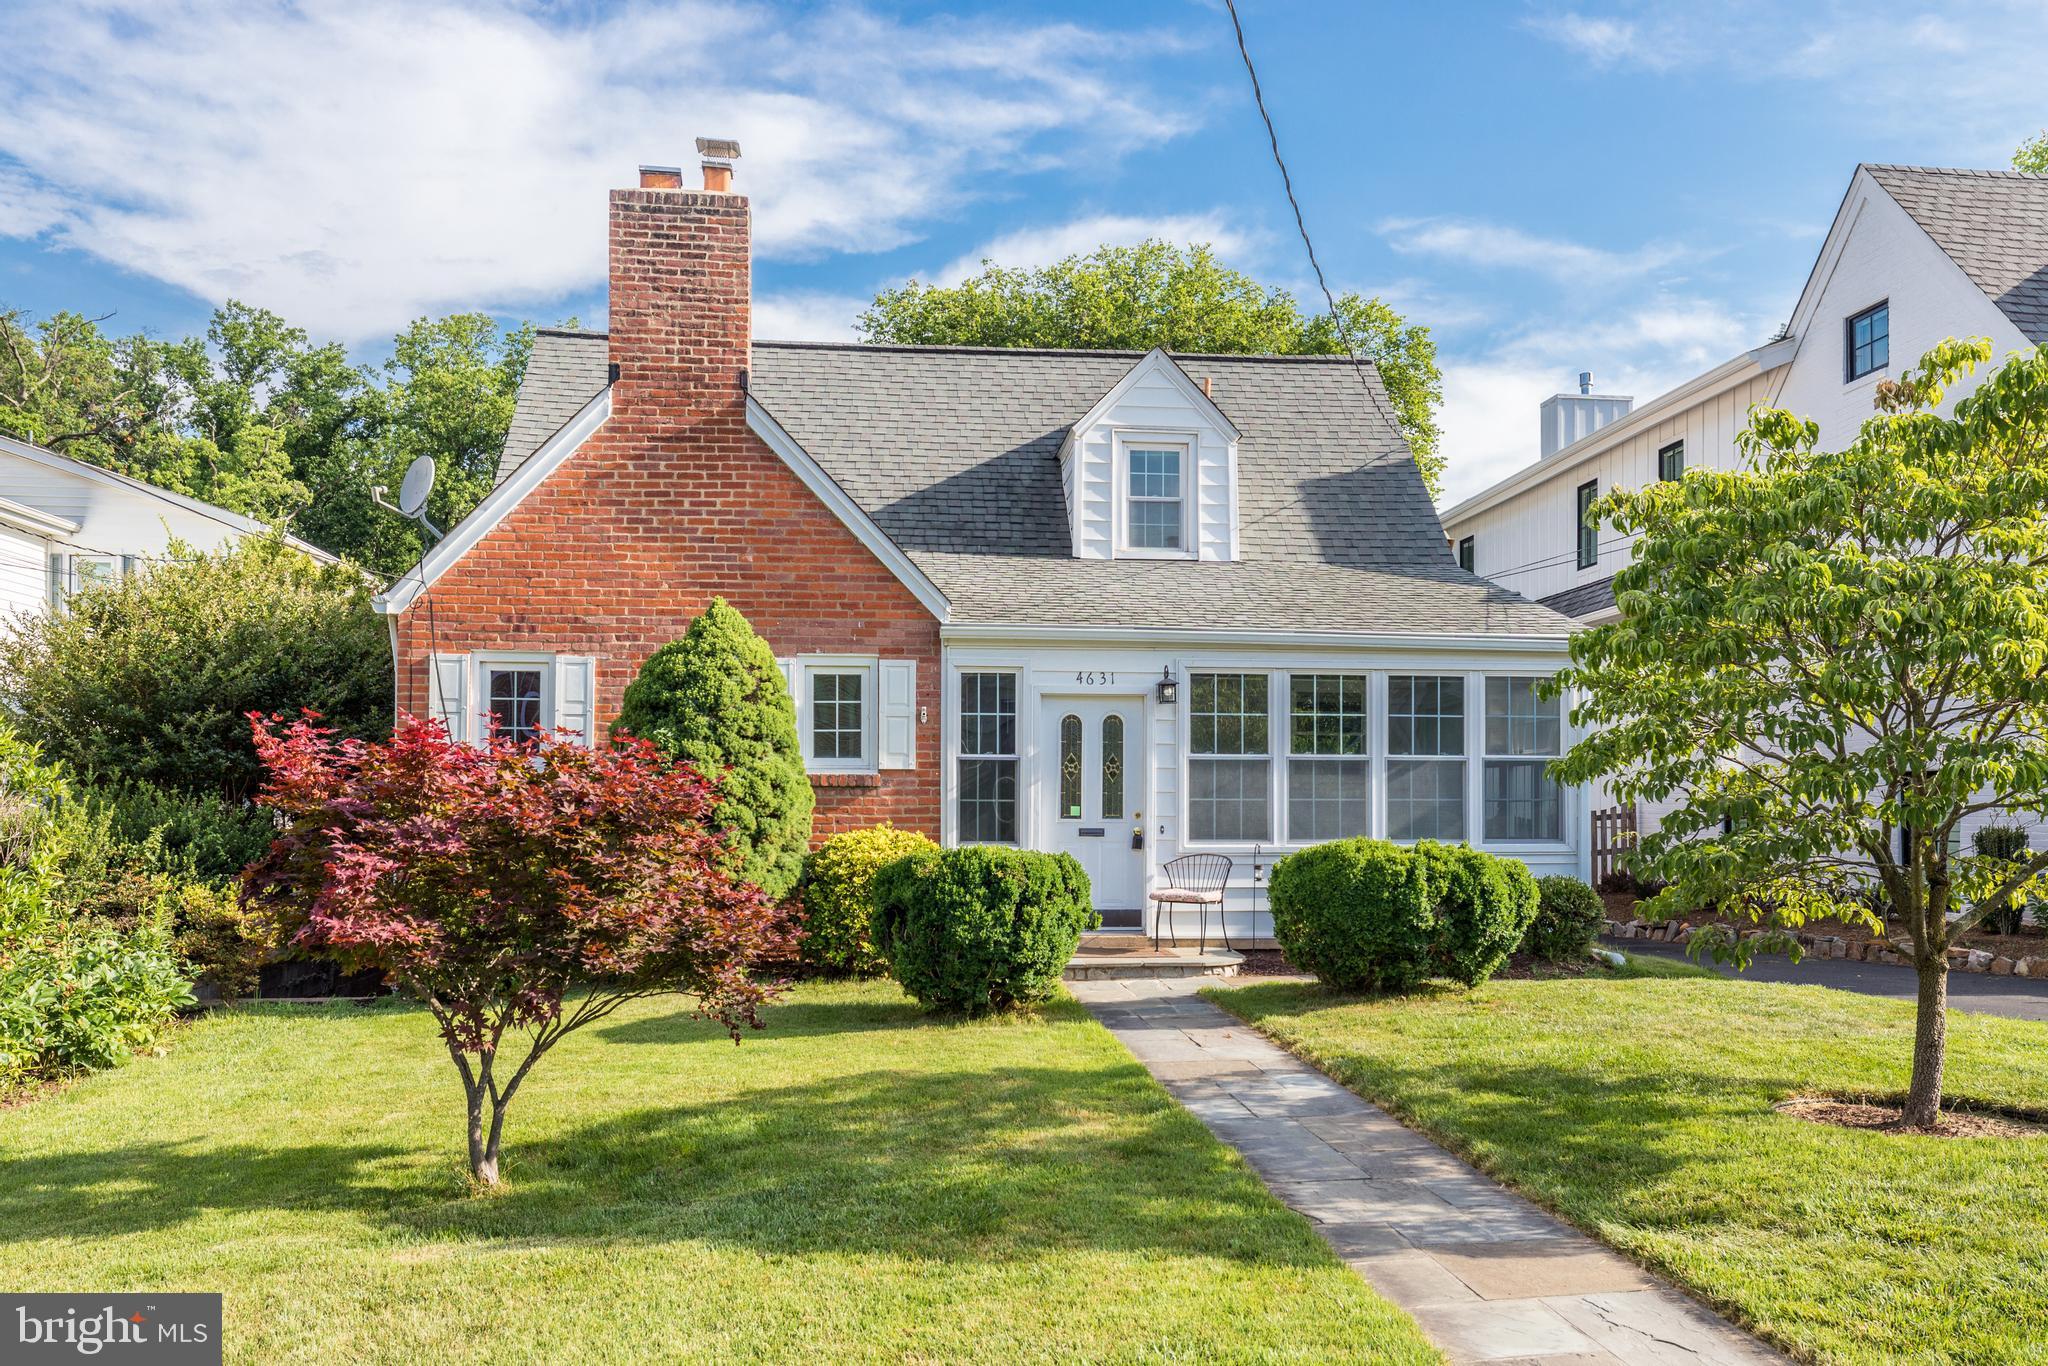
720	149
1585	381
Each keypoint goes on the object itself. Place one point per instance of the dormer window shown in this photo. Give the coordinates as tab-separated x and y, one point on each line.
1155	505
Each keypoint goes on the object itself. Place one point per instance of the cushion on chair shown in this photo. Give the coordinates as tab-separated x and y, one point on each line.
1190	898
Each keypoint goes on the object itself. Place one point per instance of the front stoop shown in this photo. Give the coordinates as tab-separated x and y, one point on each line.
1103	961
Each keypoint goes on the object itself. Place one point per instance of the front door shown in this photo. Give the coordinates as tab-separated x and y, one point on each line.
1094	790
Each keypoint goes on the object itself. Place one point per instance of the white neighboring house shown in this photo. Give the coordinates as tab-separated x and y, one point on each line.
1915	255
65	523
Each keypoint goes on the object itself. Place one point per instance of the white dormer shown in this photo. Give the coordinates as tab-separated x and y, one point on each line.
1151	470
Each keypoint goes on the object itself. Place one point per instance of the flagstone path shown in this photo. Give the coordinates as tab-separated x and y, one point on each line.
1489	1276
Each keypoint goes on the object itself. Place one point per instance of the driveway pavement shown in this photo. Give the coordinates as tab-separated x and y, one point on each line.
1489	1276
2022	998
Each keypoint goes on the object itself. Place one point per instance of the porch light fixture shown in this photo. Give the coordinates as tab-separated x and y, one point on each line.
1169	691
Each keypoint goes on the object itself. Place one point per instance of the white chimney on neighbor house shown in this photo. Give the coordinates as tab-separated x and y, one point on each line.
1571	417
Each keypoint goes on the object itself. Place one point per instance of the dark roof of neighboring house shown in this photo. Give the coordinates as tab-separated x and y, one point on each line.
1584	599
954	452
1993	224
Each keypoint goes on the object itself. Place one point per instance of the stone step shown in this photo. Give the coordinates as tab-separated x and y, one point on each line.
1087	966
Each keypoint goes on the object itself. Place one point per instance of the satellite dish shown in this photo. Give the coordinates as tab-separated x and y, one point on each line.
419	482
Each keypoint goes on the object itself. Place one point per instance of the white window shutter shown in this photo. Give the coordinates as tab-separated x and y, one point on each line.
448	699
788	667
60	577
899	714
575	693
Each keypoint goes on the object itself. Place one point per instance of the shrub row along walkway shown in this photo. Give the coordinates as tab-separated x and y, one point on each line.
1488	1275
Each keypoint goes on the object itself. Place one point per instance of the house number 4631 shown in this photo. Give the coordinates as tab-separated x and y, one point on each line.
1091	678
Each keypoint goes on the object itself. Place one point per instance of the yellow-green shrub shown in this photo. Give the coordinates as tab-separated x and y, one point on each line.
836	893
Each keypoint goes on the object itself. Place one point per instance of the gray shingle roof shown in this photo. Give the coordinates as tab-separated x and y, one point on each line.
1584	599
1993	224
564	372
954	451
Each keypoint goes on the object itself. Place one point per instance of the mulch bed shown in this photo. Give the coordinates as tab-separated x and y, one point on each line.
1853	1114
1525	967
1267	963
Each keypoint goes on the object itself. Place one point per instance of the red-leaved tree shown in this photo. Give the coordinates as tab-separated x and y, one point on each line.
522	889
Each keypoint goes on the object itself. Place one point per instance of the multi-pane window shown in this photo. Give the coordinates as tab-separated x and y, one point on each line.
1327	772
1154	498
1465	554
838	716
1589	526
1425	757
1869	343
1524	731
1671	461
1112	767
513	693
1230	768
988	758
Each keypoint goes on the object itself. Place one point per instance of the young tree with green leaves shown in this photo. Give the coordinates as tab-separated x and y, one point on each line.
2032	155
716	699
1831	661
1180	298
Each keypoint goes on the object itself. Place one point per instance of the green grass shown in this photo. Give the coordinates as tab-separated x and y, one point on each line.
1641	1110
854	1183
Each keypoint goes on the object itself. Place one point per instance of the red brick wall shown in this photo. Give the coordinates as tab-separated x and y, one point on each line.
674	501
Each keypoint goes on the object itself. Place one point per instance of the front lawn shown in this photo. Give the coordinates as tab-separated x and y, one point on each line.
1641	1109
854	1183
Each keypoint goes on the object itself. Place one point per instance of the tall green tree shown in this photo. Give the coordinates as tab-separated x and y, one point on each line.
716	699
2032	155
1133	298
1830	661
256	417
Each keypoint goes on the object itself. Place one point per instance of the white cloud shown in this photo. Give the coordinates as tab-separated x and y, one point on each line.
1030	248
806	315
1604	41
1496	246
1491	395
354	164
1958	82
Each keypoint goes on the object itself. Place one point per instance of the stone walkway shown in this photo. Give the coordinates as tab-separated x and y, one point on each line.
1488	1275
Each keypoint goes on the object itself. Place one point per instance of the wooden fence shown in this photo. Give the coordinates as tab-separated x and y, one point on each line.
1614	834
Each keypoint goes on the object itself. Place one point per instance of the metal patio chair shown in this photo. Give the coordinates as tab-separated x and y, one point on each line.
1192	880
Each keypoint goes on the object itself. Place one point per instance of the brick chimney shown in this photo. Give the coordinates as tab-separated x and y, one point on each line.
681	295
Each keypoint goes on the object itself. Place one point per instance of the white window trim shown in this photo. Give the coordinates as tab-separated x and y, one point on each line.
1288	758
1188	444
1463	758
1476	719
482	662
870	710
63	571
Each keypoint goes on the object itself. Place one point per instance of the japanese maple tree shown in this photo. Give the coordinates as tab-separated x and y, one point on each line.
518	890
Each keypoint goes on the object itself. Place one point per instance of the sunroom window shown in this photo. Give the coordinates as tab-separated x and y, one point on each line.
1230	764
1328	776
1426	757
1524	732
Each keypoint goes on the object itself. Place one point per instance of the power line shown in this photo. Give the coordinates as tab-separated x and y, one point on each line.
1300	223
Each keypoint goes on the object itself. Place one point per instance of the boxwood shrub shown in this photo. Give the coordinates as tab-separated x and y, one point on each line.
837	896
1367	915
980	929
1567	920
1356	913
1483	907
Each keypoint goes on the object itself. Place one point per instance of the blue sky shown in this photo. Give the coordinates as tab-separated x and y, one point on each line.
1635	189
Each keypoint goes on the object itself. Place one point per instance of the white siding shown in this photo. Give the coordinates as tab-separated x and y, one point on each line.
1878	253
1529	543
1155	401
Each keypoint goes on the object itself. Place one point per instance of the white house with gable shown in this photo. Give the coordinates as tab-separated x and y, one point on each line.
1915	256
65	523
